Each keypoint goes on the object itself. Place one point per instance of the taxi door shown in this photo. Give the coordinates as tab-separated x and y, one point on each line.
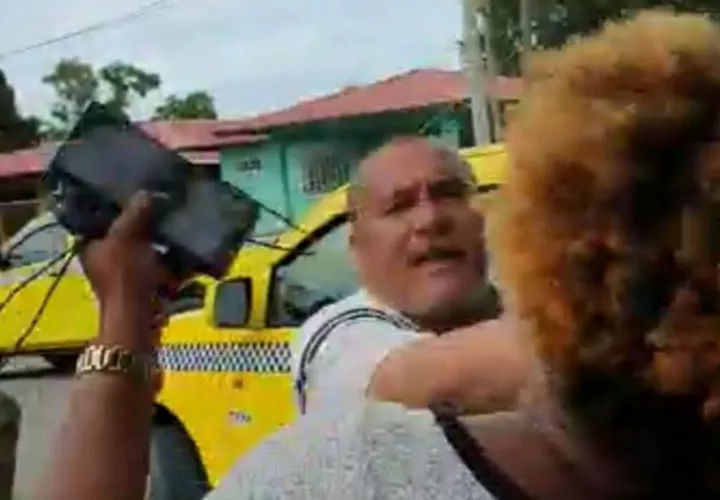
227	364
226	377
255	318
31	320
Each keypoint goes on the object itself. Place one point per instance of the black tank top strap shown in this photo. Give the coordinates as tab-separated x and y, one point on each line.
475	458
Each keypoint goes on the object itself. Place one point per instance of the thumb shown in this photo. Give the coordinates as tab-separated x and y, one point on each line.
135	220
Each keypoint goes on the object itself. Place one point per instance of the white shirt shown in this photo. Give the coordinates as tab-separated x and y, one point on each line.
337	349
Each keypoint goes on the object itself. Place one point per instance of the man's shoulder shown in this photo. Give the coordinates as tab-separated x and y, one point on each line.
326	318
358	300
356	308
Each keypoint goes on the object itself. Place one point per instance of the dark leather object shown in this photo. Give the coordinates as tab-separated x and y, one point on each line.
199	223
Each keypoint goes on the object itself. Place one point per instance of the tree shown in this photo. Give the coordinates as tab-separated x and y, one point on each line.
126	82
555	21
76	83
16	132
194	105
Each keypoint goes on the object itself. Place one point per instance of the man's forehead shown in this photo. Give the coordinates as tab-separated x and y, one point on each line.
404	164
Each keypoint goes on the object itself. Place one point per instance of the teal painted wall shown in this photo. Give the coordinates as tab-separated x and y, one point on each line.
301	198
282	180
265	184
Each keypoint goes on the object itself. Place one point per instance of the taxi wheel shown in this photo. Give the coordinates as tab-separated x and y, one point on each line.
175	470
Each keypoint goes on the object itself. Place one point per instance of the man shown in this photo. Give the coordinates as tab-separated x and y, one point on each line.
418	246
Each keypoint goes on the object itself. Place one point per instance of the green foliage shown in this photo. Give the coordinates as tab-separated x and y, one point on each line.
194	105
118	85
126	82
16	132
555	22
76	83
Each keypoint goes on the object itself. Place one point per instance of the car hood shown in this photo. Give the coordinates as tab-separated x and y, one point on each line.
250	258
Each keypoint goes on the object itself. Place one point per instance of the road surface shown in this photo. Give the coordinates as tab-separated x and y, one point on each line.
42	394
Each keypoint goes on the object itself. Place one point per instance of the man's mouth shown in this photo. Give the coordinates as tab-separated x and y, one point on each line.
439	255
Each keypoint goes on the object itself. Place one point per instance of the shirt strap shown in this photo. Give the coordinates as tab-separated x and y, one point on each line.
475	458
321	334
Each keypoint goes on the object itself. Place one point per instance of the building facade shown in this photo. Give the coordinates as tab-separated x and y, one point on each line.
288	158
314	147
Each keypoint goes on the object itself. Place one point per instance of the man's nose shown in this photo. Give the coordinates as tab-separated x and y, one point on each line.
430	217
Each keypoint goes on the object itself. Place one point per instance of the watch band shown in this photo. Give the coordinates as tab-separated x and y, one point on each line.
114	359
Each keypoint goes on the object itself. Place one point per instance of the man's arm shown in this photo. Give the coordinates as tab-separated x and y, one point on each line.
481	368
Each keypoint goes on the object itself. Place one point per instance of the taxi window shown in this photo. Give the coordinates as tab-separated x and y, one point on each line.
317	276
43	245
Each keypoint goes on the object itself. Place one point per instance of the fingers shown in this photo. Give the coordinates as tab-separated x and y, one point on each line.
135	220
160	320
156	381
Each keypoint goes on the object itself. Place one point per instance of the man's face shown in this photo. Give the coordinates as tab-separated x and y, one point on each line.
417	241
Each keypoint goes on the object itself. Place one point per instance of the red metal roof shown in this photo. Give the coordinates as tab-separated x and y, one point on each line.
199	139
415	89
196	139
192	134
23	162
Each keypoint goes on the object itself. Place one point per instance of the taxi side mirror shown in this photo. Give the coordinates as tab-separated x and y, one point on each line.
231	305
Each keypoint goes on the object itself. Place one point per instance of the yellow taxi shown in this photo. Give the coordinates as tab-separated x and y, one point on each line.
225	352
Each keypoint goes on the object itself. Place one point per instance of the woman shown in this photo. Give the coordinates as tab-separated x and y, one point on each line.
607	254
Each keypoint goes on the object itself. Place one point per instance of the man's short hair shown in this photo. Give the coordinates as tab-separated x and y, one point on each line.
449	156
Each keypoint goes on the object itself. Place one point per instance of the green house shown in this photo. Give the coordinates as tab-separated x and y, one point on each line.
288	158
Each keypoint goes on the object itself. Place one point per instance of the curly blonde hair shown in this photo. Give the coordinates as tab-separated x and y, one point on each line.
614	157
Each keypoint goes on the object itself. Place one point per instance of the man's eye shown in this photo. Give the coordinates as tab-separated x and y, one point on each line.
399	206
450	189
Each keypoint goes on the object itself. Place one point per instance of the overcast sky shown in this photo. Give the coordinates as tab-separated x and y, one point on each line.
251	55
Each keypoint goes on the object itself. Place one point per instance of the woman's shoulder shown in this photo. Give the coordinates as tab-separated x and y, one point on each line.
355	452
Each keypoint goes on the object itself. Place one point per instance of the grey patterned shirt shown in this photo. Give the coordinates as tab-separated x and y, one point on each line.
360	451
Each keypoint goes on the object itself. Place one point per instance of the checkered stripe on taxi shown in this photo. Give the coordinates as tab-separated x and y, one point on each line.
258	357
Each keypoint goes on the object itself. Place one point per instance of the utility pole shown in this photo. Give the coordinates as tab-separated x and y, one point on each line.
475	72
491	68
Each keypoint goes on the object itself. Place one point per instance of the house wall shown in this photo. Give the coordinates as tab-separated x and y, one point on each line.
258	170
21	199
291	172
274	174
316	167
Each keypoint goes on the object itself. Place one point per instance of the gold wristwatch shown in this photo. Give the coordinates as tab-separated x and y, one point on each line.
114	359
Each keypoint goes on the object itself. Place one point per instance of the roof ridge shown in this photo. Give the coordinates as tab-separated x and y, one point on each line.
344	91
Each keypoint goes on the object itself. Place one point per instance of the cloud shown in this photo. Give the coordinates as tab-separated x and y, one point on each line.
252	56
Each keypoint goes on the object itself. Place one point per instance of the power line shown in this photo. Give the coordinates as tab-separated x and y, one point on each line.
108	23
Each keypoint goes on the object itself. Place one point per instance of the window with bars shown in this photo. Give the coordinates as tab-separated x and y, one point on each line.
250	165
324	171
